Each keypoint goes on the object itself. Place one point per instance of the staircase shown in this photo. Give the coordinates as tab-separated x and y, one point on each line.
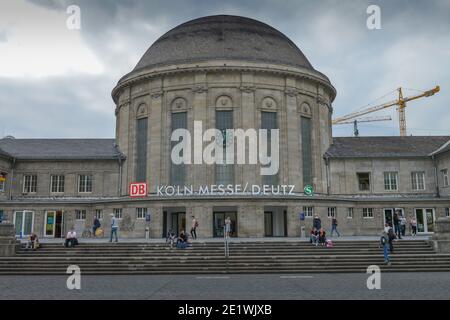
263	256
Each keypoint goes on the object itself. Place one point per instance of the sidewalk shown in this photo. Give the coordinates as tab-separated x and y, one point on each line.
214	240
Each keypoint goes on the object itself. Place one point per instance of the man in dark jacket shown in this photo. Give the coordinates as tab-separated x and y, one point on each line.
317	223
96	225
397	225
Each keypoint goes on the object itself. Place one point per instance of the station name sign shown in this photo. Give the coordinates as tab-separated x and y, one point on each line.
137	190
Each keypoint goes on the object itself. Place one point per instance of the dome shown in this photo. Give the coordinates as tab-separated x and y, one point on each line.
223	37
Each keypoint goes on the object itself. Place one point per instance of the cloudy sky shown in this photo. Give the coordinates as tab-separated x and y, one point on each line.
56	82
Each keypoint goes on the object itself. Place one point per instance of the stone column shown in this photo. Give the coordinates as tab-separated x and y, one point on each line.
441	239
8	242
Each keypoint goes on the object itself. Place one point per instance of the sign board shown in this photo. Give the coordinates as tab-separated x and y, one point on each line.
139	189
148	218
308	190
301	216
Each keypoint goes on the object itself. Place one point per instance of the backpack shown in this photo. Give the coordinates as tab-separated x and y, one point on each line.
383	240
196	224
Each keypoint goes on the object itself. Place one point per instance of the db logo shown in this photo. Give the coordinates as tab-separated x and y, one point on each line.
138	189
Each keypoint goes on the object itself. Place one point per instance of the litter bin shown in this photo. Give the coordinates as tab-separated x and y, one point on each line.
147	232
302	232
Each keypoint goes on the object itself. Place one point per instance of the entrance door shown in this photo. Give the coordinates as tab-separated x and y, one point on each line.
425	220
54	224
389	215
219	222
24	223
268	223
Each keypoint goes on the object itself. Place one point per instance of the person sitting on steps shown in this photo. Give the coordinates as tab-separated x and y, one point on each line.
71	239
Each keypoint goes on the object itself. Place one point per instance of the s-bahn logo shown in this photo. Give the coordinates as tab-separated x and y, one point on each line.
138	189
227	146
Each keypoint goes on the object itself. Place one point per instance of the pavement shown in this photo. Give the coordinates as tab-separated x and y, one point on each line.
212	240
402	286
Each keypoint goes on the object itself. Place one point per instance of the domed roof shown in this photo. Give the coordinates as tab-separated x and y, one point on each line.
223	37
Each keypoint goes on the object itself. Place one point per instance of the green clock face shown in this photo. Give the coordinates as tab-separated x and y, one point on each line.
308	190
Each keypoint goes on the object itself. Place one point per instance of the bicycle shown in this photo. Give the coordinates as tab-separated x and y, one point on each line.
87	233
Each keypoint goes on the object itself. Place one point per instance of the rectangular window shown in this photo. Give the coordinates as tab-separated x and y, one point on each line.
2	181
178	171
225	172
418	180
30	184
367	213
117	213
57	183
1	216
349	213
80	214
363	181
141	213
141	150
331	212
98	214
305	128
84	183
444	173
269	122
390	181
309	212
447	212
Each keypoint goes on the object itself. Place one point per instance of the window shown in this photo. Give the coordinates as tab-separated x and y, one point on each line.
84	183
309	212
98	214
178	171
57	183
30	184
1	216
367	213
141	150
225	172
117	213
363	181
349	213
418	180
80	214
390	181
445	177
269	122
447	212
141	213
2	181
331	212
305	129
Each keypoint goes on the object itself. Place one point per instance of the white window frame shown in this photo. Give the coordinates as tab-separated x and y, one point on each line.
309	212
80	215
331	212
350	212
30	184
367	213
445	181
23	220
59	186
98	213
390	175
88	177
416	182
118	213
141	213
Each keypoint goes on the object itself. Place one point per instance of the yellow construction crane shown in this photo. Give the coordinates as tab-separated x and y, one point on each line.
400	102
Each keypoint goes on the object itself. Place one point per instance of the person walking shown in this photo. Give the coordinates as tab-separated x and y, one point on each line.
194	226
391	237
334	224
384	241
397	225
403	225
227	227
114	227
413	226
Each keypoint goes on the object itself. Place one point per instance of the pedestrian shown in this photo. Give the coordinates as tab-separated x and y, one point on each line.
227	227
387	227
334	224
71	239
34	241
403	225
413	226
182	240
313	236
96	225
397	225
114	227
322	236
384	241
391	237
194	227
317	223
171	237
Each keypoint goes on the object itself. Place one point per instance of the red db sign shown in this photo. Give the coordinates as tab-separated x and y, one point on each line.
138	190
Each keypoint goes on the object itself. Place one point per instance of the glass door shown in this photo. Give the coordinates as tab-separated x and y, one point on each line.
425	220
429	214
219	222
268	224
389	217
23	223
49	224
